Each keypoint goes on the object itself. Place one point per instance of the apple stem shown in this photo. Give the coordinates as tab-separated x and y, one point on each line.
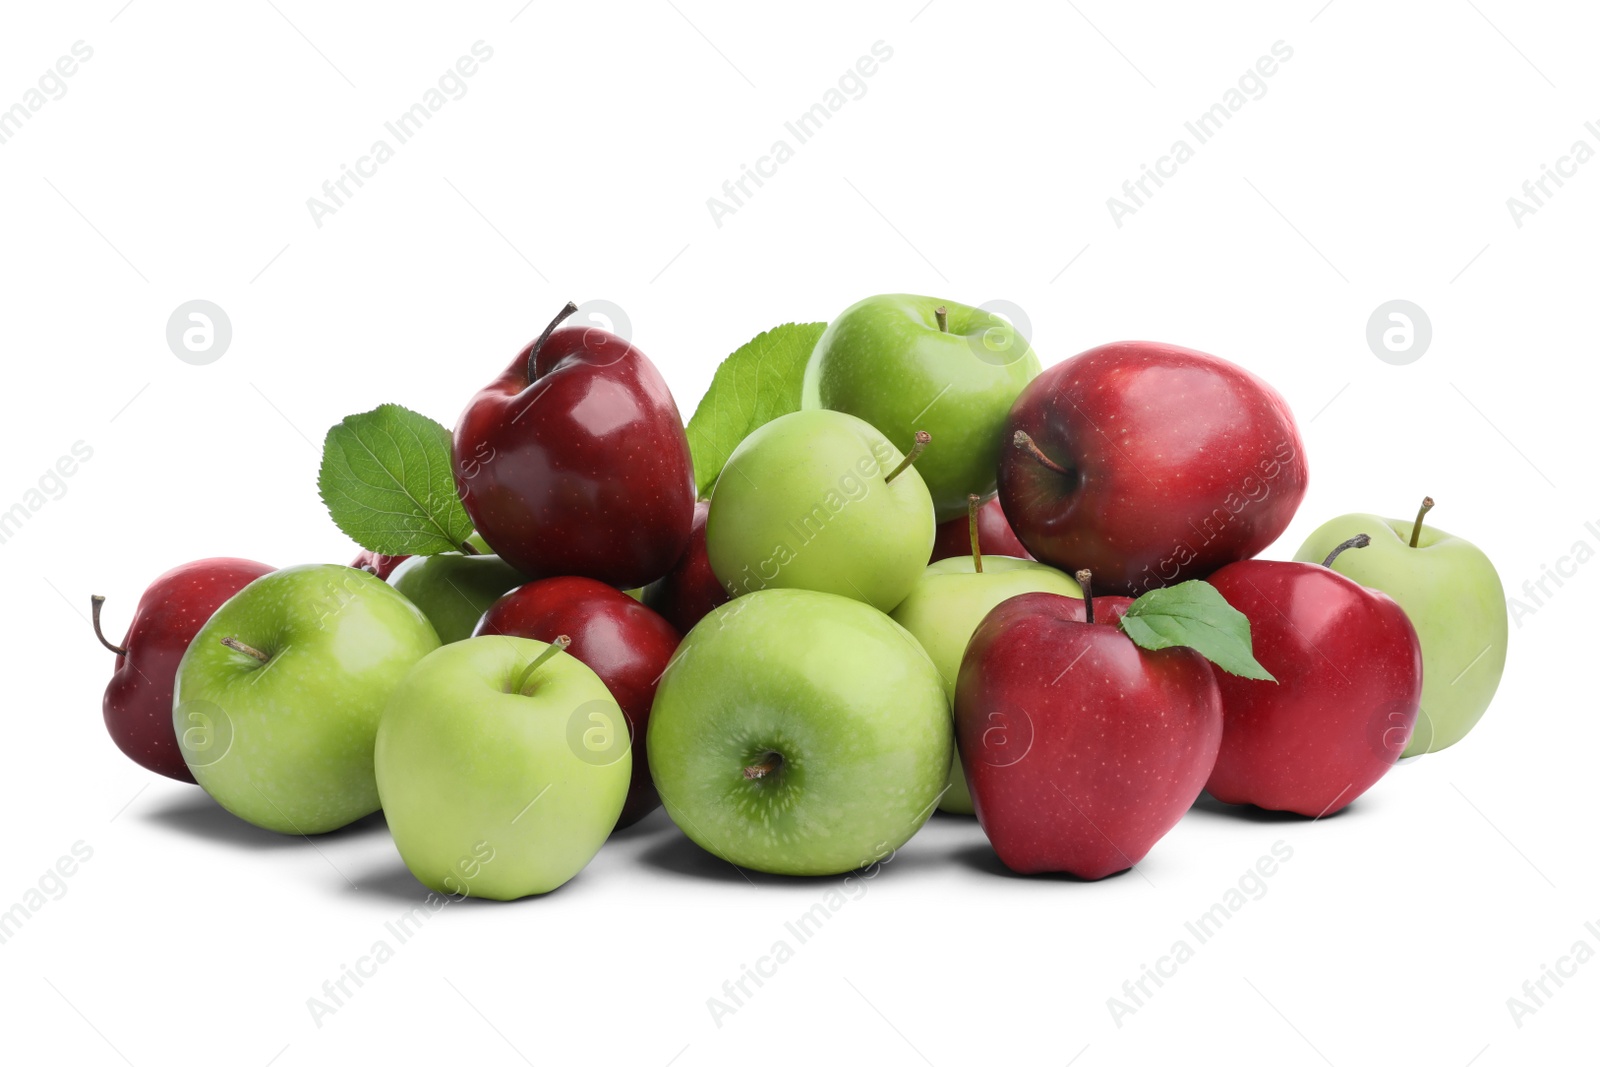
558	645
1358	541
94	610
469	549
911	457
1416	531
1021	440
1086	579
239	646
769	763
972	532
538	344
942	318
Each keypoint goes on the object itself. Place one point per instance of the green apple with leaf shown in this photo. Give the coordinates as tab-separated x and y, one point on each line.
277	699
947	604
821	500
798	732
503	764
1452	594
921	363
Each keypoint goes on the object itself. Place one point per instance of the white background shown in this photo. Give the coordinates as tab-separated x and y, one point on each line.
976	166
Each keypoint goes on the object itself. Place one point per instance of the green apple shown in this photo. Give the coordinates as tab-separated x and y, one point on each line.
1451	593
798	732
820	500
276	701
945	608
454	590
901	365
503	764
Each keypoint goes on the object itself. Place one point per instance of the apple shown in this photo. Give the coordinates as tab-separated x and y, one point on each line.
278	697
909	363
952	538
690	589
625	643
820	500
1453	597
454	590
1081	748
799	732
575	461
138	700
376	563
1149	464
502	764
946	606
1349	677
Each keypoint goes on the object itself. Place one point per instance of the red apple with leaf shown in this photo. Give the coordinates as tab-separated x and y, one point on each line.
1088	727
1349	681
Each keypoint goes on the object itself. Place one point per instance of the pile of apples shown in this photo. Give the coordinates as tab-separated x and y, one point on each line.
927	574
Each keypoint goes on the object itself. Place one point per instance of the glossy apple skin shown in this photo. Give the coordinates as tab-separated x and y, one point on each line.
1452	595
954	537
884	359
618	638
376	563
1349	679
686	593
1081	749
583	471
946	606
483	788
287	744
840	691
1177	463
138	699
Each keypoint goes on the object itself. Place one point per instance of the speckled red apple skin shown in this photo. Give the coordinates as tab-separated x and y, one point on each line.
1349	681
582	470
688	592
138	699
1109	743
954	537
1178	463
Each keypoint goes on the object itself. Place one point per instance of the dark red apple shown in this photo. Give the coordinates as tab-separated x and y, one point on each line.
1349	671
138	701
954	537
1149	464
377	563
575	461
689	590
620	639
1081	749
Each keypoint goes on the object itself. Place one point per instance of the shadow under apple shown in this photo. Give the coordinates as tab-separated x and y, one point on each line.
197	815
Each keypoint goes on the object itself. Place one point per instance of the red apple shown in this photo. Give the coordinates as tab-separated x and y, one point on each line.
954	537
575	462
377	563
1149	464
1349	671
689	590
138	701
1081	749
620	639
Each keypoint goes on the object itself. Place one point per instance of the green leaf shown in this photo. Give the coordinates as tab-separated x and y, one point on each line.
752	387
1194	615
386	478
